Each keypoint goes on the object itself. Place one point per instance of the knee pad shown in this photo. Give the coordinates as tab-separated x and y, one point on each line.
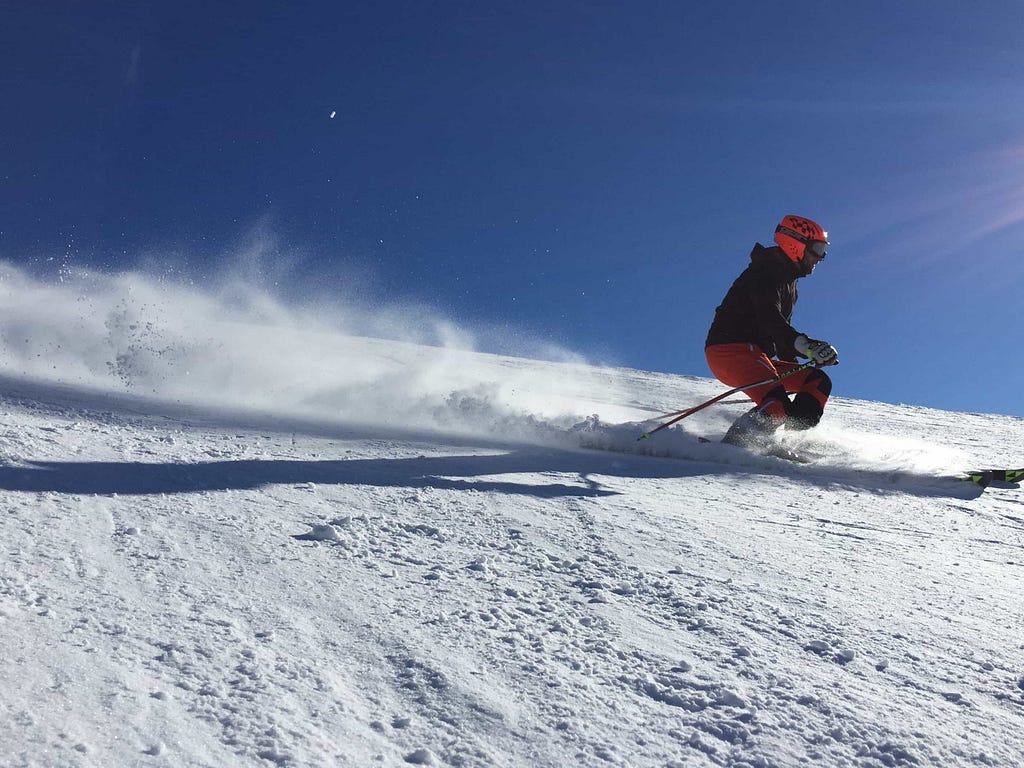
820	381
804	412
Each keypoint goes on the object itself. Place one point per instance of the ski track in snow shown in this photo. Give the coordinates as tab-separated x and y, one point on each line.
201	586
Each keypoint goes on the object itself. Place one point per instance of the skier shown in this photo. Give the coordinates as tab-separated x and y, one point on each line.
751	337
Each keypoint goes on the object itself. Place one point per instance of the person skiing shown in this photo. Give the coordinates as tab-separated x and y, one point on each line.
751	337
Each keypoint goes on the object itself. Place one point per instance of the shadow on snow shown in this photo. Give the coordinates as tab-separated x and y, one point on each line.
468	472
463	473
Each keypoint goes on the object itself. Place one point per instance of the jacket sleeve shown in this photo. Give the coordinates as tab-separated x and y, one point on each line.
767	301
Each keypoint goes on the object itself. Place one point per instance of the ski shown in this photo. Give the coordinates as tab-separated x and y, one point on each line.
985	477
775	451
981	477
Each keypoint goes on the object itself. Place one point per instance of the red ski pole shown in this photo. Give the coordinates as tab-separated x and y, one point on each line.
680	415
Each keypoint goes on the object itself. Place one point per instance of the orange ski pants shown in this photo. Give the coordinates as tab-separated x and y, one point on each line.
742	363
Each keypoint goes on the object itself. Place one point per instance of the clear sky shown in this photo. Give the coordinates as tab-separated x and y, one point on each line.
593	173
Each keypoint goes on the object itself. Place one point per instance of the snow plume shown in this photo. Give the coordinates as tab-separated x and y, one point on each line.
234	341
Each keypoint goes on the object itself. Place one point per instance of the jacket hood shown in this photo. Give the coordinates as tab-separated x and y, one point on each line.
776	258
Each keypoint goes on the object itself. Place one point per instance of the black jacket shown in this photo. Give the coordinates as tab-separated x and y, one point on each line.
759	305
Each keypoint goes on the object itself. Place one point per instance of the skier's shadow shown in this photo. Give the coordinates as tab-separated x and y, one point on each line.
480	473
468	472
491	472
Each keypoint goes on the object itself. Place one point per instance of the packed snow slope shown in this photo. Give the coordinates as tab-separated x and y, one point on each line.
239	538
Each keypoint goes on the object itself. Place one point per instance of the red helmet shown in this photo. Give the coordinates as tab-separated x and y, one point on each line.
796	233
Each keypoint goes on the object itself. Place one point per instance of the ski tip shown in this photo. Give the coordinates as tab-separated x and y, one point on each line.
1012	475
985	477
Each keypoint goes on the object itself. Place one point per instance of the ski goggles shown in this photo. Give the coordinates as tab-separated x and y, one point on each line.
818	247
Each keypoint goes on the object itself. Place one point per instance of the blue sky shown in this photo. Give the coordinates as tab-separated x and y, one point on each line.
591	173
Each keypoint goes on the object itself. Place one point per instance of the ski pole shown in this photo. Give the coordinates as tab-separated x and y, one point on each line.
680	415
808	364
676	413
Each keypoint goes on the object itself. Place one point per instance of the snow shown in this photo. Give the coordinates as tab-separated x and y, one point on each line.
233	536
